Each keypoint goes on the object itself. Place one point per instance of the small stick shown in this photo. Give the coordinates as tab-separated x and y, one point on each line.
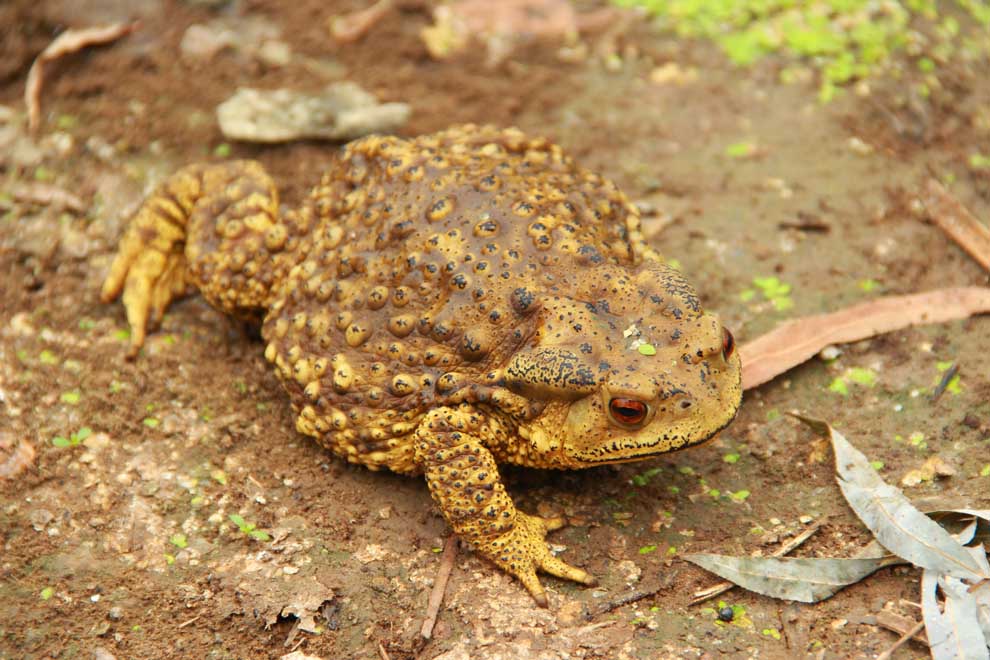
947	377
955	220
899	624
722	587
902	641
626	599
382	652
48	195
439	586
353	26
190	621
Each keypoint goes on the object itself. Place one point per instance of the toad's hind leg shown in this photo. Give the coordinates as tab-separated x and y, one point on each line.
212	227
464	481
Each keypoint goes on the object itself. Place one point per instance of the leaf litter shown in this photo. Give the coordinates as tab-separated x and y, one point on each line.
961	572
793	342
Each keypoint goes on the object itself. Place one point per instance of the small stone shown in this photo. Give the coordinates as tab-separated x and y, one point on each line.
275	53
290	570
201	42
116	613
858	146
299	655
343	111
100	653
40	518
830	353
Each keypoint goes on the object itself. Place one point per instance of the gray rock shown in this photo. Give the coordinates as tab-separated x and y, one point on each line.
343	111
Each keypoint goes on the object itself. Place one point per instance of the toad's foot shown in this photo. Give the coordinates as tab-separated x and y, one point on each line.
523	551
214	227
150	267
451	445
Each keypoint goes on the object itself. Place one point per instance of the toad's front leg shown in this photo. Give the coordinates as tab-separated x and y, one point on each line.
463	479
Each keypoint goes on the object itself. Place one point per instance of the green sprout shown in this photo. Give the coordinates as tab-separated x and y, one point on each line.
74	439
644	478
773	290
843	40
249	528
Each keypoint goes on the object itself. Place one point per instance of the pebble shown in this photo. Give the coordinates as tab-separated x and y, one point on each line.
100	653
116	613
343	111
40	518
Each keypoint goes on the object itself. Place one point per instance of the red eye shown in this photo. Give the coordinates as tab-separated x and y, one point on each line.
627	411
728	344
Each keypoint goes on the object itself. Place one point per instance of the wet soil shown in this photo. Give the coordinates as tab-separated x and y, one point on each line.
122	543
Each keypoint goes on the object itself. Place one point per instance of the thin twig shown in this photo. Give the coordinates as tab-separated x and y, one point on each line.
947	377
788	547
902	641
439	586
48	195
353	26
956	220
626	599
190	621
382	652
899	624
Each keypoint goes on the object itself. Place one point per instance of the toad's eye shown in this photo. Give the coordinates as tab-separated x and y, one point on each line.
728	344
627	411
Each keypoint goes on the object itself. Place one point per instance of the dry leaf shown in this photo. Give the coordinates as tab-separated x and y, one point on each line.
804	579
15	459
963	618
793	342
66	43
894	521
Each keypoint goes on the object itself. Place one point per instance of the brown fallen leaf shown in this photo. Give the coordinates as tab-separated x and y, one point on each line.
15	459
955	220
793	342
66	43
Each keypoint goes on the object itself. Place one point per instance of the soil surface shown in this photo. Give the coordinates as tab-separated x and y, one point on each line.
119	543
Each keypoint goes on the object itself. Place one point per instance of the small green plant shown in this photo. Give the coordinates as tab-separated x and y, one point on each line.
73	440
249	528
843	40
644	478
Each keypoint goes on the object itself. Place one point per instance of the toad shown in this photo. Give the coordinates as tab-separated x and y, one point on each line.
445	304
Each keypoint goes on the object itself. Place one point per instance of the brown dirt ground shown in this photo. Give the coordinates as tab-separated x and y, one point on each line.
197	428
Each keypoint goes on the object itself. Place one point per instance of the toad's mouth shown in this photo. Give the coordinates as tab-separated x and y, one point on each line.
629	450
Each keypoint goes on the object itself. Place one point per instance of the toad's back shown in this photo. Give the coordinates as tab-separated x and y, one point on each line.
418	266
